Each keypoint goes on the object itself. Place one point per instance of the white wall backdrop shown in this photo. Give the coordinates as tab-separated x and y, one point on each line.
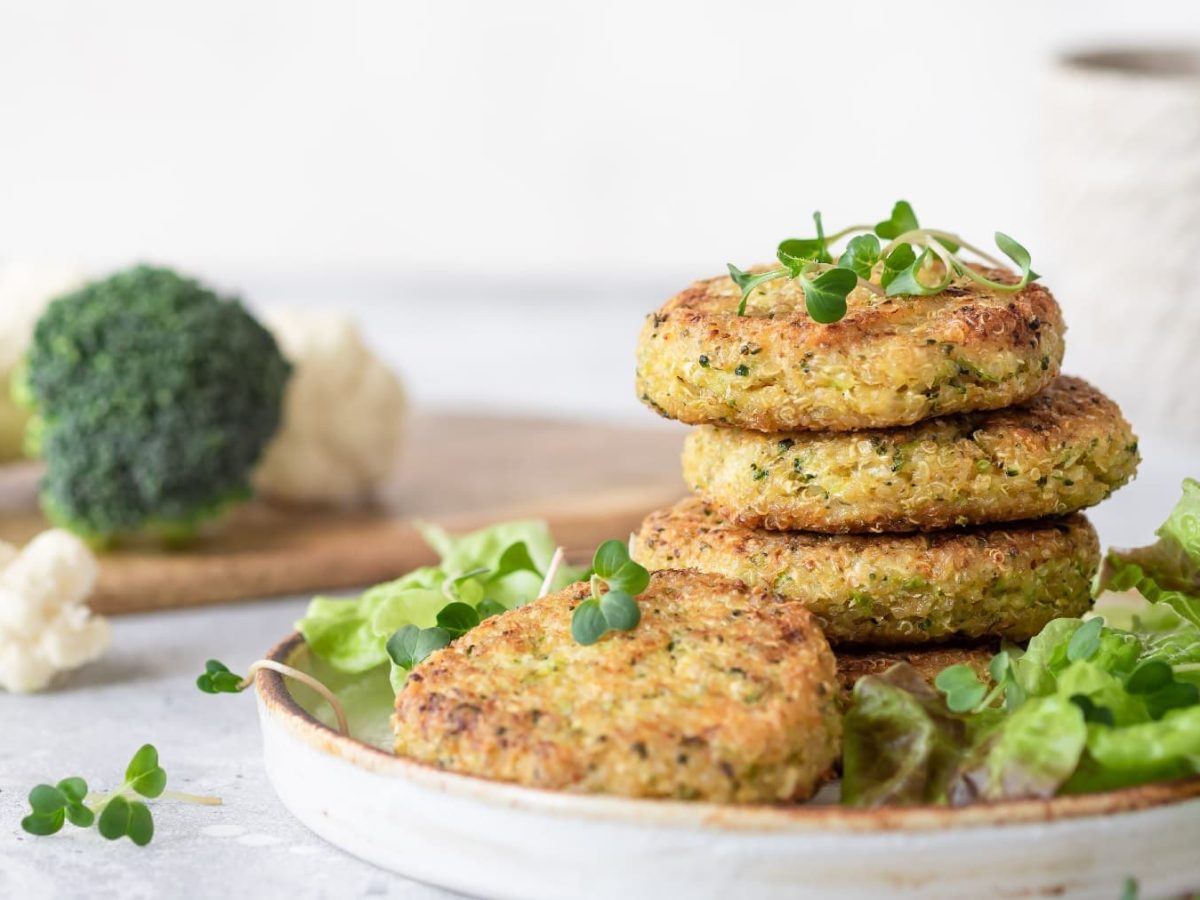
510	185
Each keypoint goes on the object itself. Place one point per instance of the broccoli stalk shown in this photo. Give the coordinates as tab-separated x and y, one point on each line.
153	400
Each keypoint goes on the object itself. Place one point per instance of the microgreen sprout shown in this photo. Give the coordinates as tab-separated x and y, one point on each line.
915	261
411	644
615	609
115	814
217	679
962	687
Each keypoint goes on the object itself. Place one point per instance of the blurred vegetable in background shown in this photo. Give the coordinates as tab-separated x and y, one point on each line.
154	399
25	291
45	624
343	414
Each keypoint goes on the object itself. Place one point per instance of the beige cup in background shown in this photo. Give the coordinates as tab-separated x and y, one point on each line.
1121	193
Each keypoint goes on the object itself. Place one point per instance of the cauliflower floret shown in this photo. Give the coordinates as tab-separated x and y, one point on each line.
343	414
25	290
45	625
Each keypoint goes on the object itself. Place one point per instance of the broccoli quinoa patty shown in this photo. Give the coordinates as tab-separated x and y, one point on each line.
928	661
721	693
1065	450
991	582
890	362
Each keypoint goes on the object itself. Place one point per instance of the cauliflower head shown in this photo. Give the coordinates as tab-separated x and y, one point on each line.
45	624
343	414
25	291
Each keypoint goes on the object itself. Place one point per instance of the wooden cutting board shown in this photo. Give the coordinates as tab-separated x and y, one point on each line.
589	481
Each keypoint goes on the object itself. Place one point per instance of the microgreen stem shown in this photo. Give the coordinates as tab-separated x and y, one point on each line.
982	254
96	801
996	285
198	799
838	235
952	265
928	238
304	678
595	583
916	236
990	698
551	571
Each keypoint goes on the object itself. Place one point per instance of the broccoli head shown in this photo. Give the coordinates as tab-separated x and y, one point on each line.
154	399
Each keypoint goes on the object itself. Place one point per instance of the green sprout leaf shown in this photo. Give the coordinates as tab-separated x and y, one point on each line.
144	774
489	607
79	815
609	558
45	798
797	253
962	687
74	789
630	578
825	295
588	624
126	818
902	220
217	679
410	645
620	610
114	818
457	618
908	283
141	823
43	824
899	260
1016	253
748	281
861	255
1086	640
616	609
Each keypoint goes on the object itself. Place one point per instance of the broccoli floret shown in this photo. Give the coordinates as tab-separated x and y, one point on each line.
154	399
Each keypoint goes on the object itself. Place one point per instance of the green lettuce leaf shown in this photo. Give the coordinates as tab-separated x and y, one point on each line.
1162	632
503	563
1168	571
1030	753
902	744
1152	751
338	632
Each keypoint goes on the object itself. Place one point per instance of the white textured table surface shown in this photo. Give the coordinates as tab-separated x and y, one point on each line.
144	691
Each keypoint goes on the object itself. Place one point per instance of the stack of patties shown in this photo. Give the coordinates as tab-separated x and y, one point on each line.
912	473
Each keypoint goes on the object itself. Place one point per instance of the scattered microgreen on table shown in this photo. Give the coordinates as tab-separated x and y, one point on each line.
914	261
615	609
217	679
115	814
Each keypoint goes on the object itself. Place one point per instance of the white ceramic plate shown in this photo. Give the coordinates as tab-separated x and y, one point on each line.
500	840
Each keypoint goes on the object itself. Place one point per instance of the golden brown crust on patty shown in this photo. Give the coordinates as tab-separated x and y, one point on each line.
890	362
1065	450
991	582
720	693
